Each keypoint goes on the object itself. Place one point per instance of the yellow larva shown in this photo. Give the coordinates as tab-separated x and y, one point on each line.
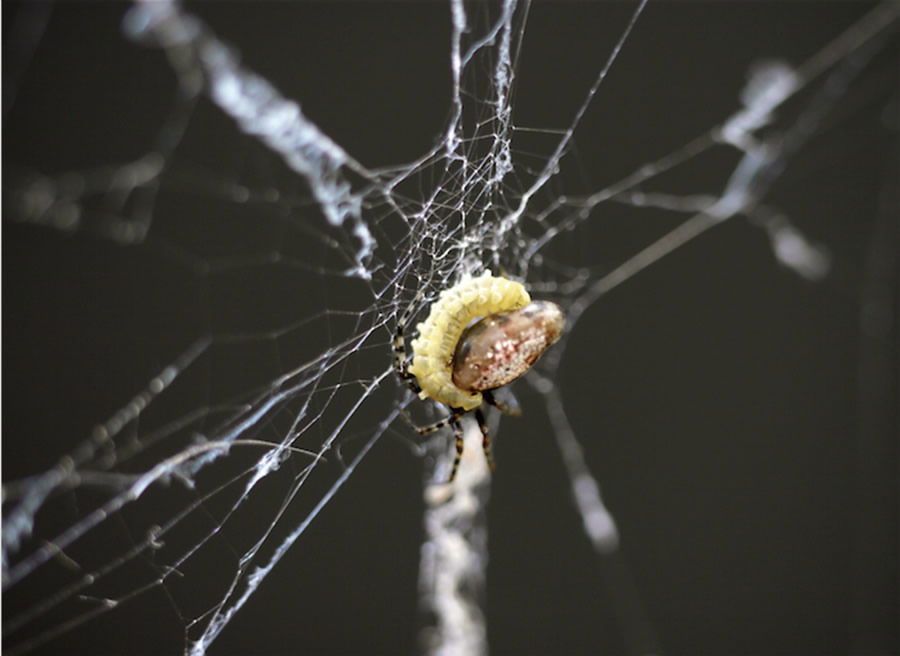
471	298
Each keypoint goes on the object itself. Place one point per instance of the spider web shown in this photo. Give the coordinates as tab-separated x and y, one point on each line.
215	271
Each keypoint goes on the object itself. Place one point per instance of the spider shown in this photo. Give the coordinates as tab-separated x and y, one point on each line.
481	334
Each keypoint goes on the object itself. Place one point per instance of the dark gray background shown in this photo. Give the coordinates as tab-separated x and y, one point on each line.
743	430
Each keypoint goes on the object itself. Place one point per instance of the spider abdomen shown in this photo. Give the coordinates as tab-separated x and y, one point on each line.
501	347
434	348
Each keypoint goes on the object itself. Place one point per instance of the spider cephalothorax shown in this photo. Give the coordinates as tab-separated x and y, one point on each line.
481	334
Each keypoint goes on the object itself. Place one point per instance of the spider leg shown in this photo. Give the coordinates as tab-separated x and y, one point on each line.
486	438
428	429
401	365
490	399
453	421
458	434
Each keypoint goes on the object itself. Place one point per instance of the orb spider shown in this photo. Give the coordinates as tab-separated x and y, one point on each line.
481	334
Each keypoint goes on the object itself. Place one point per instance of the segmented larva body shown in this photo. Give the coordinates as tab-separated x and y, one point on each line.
471	298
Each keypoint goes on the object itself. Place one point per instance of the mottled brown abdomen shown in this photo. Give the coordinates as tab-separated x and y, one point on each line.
501	347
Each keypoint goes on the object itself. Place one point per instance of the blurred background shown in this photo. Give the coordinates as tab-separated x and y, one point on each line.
741	420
